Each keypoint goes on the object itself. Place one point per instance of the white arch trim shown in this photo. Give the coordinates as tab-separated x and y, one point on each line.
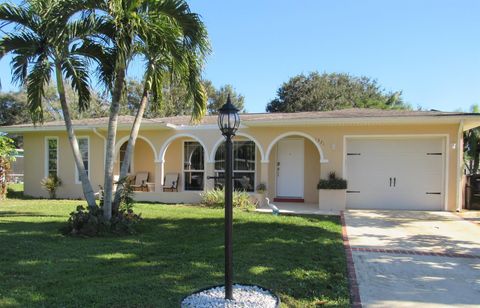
166	144
319	148
222	139
121	141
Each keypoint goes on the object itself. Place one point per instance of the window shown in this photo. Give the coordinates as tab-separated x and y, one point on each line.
243	165
193	165
123	150
51	157
83	145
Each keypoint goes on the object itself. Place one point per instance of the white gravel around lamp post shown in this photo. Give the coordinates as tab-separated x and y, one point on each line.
245	296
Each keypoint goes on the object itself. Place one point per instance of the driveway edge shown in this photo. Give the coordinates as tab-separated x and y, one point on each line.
355	299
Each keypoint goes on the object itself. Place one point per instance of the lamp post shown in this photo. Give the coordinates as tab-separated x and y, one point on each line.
228	122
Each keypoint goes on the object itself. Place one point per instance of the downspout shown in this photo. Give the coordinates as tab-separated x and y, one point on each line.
95	131
459	167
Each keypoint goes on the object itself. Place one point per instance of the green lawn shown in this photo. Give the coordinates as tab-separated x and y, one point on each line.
179	250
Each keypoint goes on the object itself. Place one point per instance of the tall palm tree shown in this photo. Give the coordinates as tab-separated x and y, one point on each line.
168	30
44	41
171	60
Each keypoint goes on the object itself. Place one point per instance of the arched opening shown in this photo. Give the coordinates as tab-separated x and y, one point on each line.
143	161
184	157
246	161
294	168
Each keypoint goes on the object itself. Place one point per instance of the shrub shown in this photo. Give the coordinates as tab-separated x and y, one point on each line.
90	221
216	198
332	182
51	184
261	188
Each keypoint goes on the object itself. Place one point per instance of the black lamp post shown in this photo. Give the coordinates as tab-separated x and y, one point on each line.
228	122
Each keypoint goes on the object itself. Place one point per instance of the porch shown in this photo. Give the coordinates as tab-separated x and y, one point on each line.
295	208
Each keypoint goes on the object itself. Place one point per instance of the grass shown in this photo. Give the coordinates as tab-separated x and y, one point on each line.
179	250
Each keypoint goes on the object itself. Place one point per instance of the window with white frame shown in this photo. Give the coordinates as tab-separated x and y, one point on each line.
193	165
83	145
52	157
243	165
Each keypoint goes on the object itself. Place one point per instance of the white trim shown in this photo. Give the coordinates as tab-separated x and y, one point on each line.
240	134
166	144
323	160
183	166
445	163
121	141
77	180
46	160
458	201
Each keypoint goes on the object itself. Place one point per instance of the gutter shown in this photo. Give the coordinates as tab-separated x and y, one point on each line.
95	131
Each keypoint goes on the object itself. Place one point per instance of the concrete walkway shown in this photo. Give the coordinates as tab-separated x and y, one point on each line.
414	259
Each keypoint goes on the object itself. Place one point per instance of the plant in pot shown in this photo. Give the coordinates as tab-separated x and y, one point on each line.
332	193
260	192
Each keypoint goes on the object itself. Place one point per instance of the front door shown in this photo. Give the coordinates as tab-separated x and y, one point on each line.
290	156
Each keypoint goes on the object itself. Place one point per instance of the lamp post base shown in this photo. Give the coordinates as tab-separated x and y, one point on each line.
244	295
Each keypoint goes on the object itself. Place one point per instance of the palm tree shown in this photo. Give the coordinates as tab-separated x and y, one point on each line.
177	62
168	31
44	41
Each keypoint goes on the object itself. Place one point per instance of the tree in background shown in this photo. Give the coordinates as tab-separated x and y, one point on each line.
218	97
7	155
332	91
471	146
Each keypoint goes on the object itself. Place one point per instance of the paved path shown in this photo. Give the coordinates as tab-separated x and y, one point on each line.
414	259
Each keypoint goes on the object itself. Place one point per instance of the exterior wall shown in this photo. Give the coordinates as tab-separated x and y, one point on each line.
330	139
35	152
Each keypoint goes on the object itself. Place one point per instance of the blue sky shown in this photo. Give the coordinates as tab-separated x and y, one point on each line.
428	49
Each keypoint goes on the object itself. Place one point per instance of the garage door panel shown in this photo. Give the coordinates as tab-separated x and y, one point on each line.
415	165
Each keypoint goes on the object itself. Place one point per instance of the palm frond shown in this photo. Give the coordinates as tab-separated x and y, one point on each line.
19	16
37	80
75	70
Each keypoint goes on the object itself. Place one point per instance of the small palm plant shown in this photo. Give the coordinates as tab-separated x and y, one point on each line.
51	184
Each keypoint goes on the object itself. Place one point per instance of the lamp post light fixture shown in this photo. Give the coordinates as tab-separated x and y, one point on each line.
228	122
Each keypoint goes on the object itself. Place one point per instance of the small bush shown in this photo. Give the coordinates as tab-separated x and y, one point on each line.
51	184
332	182
90	221
216	199
261	188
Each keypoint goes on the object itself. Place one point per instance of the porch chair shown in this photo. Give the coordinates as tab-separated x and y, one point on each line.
170	182
140	183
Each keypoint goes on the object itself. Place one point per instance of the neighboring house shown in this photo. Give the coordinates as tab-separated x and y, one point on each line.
391	159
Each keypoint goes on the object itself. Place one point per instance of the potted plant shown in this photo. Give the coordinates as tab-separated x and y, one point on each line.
332	193
260	191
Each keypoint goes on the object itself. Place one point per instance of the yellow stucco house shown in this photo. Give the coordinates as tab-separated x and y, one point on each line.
391	159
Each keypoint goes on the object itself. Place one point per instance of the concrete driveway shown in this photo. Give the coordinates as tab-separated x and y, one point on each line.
414	259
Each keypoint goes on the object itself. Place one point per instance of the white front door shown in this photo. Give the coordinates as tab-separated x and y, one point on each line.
395	173
290	156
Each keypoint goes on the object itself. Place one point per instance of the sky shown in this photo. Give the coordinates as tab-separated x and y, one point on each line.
430	50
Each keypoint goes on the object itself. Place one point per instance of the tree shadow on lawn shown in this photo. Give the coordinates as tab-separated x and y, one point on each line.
301	261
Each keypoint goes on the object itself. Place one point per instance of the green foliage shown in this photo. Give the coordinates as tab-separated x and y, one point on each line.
7	155
51	184
218	97
215	198
261	188
332	91
471	146
332	182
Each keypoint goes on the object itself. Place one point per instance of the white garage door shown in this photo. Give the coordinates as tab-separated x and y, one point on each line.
395	173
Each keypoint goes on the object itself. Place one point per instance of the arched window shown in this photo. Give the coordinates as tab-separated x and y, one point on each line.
193	165
243	165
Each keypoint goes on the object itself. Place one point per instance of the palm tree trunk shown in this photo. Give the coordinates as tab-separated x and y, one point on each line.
130	147
111	139
86	185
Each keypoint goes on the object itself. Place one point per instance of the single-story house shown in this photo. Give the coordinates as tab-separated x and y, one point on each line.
391	159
